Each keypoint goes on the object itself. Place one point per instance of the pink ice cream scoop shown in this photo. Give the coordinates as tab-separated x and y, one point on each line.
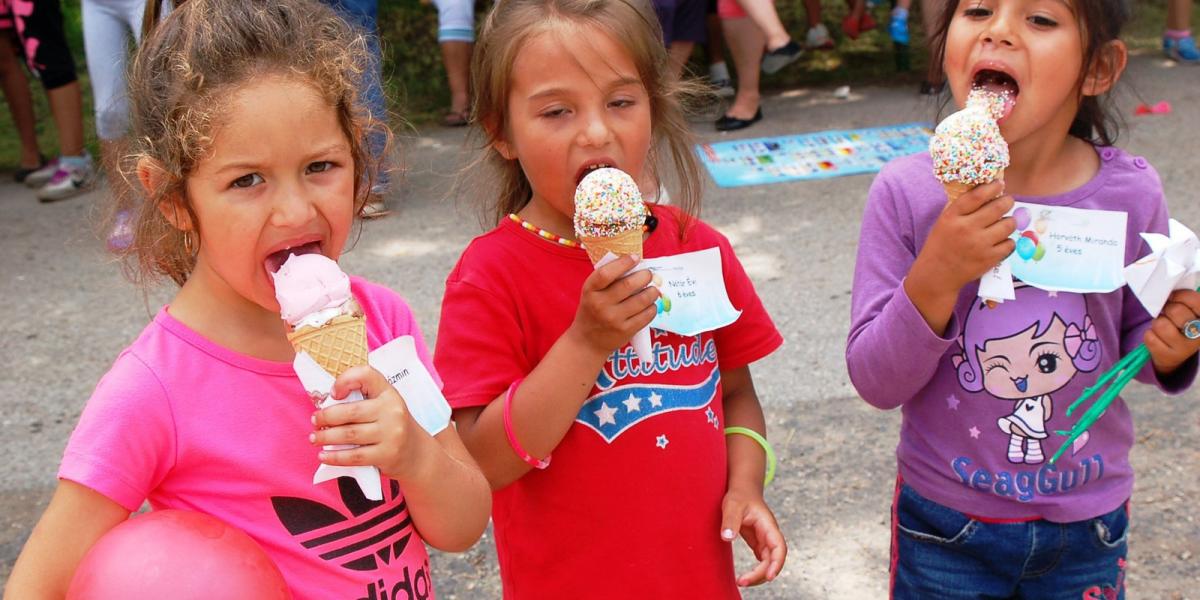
309	283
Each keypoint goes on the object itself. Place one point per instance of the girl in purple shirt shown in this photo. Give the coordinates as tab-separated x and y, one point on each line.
979	510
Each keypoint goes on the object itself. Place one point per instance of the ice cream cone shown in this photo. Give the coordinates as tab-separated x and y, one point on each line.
623	244
955	189
337	345
609	217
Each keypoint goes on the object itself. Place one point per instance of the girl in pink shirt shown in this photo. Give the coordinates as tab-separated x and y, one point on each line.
249	144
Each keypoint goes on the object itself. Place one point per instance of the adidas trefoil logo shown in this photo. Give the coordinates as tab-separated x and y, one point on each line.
369	537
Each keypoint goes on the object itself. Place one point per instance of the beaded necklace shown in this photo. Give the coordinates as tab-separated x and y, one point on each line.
542	233
651	224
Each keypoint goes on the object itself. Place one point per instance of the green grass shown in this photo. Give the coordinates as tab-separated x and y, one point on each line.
416	84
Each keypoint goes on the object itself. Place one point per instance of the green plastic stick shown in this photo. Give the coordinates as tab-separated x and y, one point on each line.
1117	369
1121	373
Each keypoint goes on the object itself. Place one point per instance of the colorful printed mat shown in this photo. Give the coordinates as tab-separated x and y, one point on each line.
811	155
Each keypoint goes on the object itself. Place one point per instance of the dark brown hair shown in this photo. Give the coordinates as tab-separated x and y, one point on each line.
1101	22
181	78
633	24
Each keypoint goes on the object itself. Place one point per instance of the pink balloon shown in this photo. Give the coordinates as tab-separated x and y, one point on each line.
179	555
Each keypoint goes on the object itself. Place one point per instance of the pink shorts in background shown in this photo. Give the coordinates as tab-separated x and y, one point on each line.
730	9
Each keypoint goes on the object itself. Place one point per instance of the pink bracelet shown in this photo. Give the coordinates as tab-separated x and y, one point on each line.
512	437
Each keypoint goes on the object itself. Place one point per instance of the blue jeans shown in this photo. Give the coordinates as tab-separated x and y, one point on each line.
940	553
365	15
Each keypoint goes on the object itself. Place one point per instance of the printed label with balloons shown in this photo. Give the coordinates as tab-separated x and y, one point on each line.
1062	249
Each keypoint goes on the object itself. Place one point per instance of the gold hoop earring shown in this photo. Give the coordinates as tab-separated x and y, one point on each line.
190	245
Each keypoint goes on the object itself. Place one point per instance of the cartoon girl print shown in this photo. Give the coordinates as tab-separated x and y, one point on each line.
1022	351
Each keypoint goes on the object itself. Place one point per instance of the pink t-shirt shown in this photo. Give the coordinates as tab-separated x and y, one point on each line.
191	425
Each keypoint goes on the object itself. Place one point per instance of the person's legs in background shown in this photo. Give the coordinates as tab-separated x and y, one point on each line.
108	29
898	27
817	37
365	14
931	12
40	31
858	20
1178	43
746	43
678	53
678	50
718	71
688	29
20	101
781	50
456	37
456	56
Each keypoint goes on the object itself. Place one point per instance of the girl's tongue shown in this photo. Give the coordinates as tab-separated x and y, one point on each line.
275	260
998	100
996	91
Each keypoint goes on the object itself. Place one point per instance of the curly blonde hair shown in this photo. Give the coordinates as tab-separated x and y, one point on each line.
633	24
180	81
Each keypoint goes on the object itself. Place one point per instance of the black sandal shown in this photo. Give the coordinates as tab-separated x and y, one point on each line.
457	119
728	123
22	172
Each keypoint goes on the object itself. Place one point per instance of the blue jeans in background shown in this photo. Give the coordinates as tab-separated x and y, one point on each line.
940	553
365	14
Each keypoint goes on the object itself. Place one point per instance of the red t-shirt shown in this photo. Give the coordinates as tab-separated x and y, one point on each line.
631	506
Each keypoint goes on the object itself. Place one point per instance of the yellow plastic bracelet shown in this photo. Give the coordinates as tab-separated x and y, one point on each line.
766	446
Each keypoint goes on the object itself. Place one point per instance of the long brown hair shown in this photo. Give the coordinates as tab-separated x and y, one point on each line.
633	24
183	74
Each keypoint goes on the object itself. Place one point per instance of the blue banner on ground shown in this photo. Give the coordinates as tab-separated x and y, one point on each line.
811	155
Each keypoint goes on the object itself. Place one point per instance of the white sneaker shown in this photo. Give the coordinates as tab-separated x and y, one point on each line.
818	38
68	181
374	208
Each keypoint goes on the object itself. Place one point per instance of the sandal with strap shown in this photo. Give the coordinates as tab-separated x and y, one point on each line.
457	119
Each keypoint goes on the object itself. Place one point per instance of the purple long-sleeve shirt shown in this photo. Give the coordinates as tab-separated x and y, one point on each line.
981	403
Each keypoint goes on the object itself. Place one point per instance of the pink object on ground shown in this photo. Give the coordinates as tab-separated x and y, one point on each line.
176	554
1162	108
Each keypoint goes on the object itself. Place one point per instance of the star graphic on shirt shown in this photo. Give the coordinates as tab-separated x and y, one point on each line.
974	431
952	402
1052	294
711	415
632	403
606	413
662	442
655	399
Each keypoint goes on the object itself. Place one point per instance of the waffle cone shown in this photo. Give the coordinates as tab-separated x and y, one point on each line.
337	345
955	189
623	244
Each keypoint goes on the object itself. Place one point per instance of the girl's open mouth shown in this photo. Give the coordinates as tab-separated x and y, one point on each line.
1000	84
588	168
276	259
